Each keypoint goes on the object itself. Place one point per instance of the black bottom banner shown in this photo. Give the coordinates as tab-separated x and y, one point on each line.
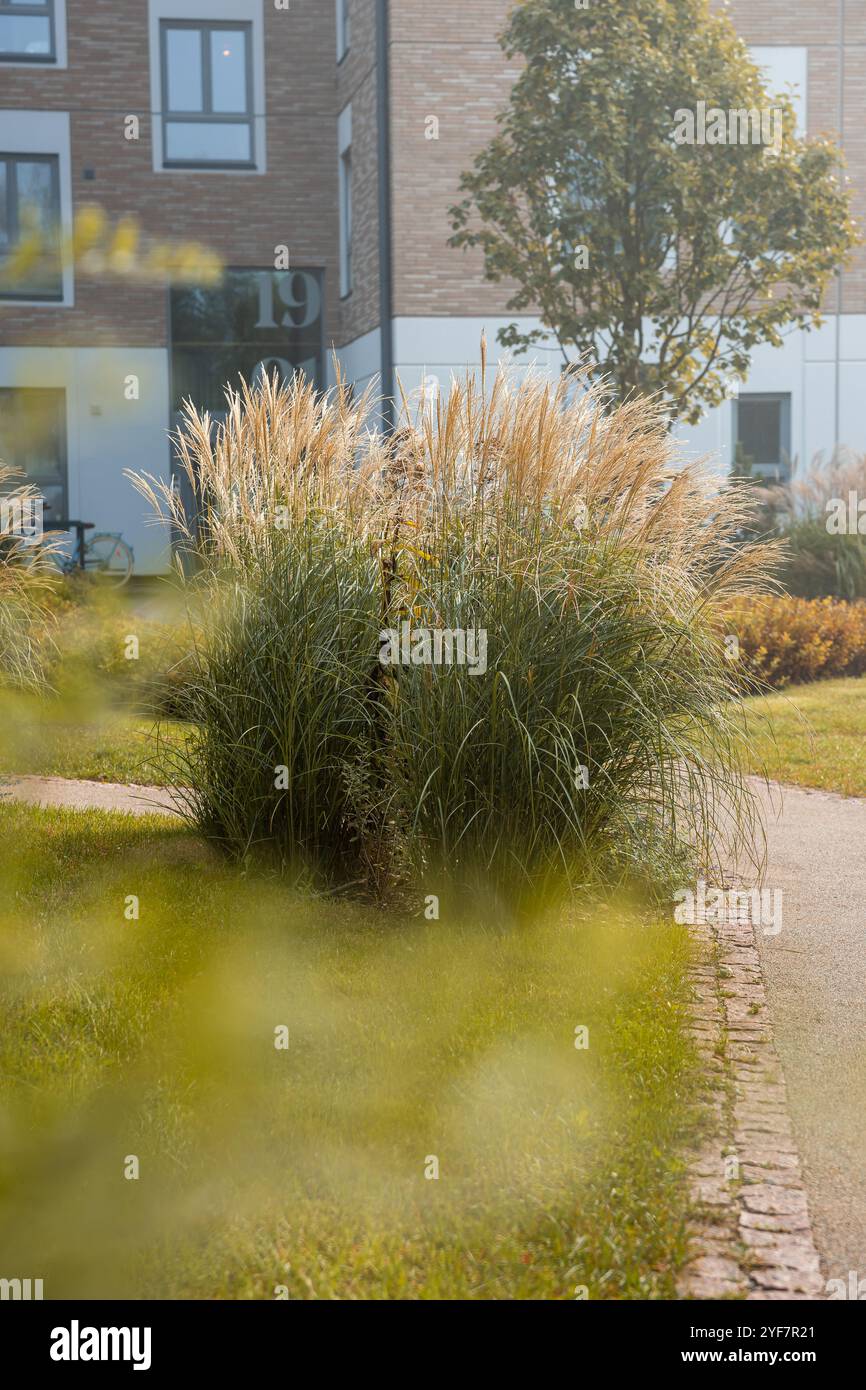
154	1338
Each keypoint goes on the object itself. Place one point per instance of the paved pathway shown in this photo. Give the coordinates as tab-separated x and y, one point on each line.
89	796
815	972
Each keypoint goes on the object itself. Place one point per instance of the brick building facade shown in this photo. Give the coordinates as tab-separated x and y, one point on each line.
266	130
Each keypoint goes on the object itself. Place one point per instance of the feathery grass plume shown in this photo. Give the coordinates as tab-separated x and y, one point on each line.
26	577
597	564
822	515
284	581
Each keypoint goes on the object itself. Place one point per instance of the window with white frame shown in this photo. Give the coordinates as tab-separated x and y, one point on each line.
207	94
30	256
344	29
344	133
27	31
785	68
762	434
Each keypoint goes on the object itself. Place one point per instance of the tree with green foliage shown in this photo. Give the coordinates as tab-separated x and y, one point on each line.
650	199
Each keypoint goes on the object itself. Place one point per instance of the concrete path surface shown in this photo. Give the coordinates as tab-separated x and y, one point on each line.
89	796
815	971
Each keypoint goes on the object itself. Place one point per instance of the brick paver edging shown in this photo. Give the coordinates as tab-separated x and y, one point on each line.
752	1237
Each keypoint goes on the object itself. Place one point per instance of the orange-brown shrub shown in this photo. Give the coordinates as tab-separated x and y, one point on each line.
784	640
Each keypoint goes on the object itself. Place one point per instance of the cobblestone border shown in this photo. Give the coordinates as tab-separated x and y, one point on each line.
752	1237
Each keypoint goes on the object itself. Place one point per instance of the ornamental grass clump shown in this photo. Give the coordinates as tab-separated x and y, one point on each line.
25	583
485	650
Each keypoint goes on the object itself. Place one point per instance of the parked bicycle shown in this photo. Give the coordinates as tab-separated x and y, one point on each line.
106	556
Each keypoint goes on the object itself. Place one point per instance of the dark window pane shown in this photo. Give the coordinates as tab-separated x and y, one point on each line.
183	56
33	441
207	142
34	223
7	453
256	321
228	70
346	213
25	35
41	278
760	430
36	196
40	433
4	215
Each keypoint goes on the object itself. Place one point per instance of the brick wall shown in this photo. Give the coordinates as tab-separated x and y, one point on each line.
357	84
445	61
815	25
241	216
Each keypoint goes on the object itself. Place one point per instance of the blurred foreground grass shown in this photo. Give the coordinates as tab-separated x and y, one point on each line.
304	1168
112	664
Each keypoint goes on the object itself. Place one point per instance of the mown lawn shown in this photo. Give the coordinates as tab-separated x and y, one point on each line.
809	735
304	1169
813	735
54	738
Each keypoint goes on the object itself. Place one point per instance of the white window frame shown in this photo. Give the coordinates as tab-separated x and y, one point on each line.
11	159
44	133
209	12
781	469
207	116
344	176
59	58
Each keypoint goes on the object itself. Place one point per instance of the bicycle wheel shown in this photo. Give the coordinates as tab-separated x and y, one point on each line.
109	559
